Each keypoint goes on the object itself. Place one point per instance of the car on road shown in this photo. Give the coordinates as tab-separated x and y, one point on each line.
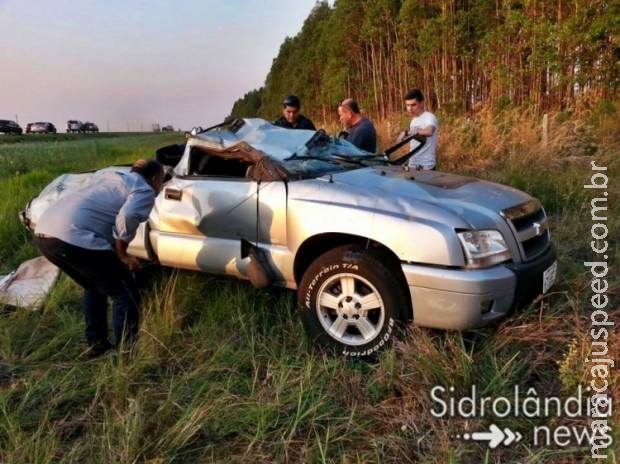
73	125
42	128
8	126
89	127
367	243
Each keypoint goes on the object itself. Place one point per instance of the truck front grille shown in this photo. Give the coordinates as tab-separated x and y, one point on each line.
529	223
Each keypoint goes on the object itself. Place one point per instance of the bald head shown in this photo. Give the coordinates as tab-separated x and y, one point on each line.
349	112
152	171
147	168
351	105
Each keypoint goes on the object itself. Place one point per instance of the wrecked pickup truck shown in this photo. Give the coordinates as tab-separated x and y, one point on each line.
367	243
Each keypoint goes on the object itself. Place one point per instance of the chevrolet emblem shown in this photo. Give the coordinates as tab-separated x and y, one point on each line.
538	228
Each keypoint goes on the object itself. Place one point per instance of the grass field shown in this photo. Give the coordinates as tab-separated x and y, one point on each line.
223	372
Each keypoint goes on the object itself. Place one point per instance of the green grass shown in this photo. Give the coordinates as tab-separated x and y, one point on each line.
223	372
6	139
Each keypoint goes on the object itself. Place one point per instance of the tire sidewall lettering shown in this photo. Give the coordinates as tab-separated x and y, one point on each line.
380	344
324	272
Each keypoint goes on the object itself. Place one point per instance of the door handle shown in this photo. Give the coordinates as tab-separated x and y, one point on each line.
173	194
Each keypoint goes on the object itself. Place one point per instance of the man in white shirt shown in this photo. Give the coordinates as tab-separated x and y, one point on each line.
422	123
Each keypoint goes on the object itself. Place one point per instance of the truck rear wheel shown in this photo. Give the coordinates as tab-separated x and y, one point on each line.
351	303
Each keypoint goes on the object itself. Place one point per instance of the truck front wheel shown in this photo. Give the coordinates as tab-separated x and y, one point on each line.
351	303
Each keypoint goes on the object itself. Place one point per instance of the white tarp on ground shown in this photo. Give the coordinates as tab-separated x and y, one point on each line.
29	284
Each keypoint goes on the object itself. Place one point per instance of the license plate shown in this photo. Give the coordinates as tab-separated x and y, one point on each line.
549	276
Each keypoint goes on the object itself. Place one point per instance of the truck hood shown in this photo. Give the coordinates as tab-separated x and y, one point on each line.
400	191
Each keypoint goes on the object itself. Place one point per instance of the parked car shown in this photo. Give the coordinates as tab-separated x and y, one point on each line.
28	126
42	128
367	243
73	125
10	127
89	127
167	128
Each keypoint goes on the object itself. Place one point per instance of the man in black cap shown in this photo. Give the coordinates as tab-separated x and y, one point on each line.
291	119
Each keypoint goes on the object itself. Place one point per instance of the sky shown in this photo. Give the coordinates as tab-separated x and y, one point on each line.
128	64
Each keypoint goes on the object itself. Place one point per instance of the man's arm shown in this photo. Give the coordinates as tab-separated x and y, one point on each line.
425	131
128	260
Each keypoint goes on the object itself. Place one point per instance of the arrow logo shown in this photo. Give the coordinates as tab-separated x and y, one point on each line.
495	436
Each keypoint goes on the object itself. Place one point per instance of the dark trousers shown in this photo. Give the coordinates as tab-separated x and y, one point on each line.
103	276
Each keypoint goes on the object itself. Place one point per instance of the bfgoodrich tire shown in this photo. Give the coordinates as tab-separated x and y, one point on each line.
351	303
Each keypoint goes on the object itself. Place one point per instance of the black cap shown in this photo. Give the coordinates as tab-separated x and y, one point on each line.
292	100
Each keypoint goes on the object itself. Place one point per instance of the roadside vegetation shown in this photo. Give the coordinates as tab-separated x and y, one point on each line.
464	56
224	373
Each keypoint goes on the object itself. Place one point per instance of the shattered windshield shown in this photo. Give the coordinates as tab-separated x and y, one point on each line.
323	154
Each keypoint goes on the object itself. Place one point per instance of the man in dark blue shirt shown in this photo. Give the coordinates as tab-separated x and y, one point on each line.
359	130
291	119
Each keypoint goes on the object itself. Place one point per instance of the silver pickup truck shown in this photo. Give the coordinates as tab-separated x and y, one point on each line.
367	243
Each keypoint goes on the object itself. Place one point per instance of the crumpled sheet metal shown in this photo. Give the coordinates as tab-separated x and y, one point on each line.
29	284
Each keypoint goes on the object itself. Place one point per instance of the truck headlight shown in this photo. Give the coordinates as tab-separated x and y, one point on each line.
483	247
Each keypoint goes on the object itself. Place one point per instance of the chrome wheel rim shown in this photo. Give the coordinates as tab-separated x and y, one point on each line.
350	309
